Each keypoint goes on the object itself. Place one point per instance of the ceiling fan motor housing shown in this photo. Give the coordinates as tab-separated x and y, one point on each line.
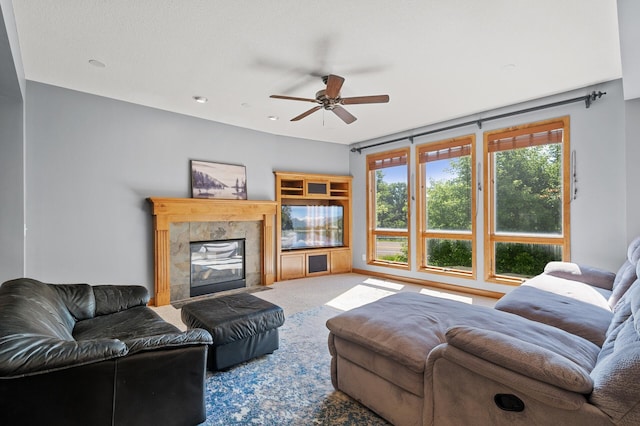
325	101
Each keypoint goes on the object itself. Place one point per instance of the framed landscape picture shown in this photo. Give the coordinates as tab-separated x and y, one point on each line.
218	180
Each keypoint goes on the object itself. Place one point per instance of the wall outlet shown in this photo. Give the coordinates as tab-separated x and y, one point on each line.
364	257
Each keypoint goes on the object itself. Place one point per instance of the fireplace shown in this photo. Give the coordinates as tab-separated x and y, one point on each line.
178	221
217	266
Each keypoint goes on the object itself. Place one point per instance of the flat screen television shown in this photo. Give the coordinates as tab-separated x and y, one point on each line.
305	227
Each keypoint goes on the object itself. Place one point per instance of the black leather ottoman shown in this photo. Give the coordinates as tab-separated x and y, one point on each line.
243	327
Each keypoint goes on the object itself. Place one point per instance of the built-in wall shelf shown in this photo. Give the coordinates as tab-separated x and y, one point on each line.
313	225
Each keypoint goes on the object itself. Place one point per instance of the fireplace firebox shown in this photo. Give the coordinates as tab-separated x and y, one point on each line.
217	266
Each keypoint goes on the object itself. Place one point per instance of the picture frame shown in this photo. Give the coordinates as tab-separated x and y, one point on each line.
218	180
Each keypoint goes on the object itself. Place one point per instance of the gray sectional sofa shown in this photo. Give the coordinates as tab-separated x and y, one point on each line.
563	349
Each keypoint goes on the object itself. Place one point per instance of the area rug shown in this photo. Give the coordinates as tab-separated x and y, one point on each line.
292	386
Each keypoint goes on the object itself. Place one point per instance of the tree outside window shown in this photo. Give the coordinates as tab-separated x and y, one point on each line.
446	206
526	203
388	218
527	199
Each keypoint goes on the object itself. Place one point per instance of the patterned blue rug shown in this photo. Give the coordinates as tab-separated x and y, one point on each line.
292	386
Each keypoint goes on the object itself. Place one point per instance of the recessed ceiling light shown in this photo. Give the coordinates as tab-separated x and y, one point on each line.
245	105
273	117
200	99
508	67
97	63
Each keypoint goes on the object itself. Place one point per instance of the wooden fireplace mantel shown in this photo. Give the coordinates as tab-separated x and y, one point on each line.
171	210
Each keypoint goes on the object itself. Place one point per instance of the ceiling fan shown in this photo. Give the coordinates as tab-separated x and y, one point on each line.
330	100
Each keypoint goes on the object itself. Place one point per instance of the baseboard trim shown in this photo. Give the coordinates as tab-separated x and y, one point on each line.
428	283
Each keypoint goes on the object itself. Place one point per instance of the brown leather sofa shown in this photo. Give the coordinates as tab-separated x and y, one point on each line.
76	354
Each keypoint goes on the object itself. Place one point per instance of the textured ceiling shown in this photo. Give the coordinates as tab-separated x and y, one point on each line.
437	59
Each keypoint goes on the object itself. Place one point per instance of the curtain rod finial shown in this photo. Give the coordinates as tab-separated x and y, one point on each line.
592	97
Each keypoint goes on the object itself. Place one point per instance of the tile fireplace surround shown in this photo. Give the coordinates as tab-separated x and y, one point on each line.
168	211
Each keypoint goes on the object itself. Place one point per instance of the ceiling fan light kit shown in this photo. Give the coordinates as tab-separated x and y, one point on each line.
330	100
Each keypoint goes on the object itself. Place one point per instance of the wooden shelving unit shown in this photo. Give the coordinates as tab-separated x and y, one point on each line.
303	189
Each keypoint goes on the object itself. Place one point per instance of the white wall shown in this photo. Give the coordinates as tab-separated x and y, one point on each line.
93	161
599	233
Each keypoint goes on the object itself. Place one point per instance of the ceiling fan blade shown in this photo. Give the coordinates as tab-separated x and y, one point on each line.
304	114
375	99
293	98
345	115
334	84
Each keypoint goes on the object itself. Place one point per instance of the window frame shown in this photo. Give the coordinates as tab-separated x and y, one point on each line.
372	231
421	209
490	235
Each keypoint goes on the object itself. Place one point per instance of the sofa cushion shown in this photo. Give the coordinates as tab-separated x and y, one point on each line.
626	274
572	306
585	274
124	325
622	310
21	355
616	375
35	331
633	251
140	329
522	357
28	306
116	298
419	323
78	298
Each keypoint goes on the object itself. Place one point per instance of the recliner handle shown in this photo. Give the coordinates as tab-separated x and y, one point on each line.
508	402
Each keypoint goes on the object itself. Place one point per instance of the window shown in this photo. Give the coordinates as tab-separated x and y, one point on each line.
526	199
388	208
446	206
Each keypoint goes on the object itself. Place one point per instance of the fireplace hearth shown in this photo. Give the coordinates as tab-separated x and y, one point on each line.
217	266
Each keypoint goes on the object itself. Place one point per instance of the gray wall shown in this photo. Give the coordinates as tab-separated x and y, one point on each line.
92	162
11	189
11	149
632	110
599	233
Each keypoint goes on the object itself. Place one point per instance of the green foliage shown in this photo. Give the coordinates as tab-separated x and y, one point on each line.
449	253
528	199
449	200
391	203
449	209
392	212
528	190
525	260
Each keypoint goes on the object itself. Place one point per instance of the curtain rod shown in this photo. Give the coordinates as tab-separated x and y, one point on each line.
587	99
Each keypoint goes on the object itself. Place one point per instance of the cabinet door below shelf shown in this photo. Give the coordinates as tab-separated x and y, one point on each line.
292	266
340	261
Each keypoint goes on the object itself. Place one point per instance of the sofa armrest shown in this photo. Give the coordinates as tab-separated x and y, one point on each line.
115	298
24	354
196	336
512	381
585	274
521	357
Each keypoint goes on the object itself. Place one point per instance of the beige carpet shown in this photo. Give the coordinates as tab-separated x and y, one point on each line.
343	292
